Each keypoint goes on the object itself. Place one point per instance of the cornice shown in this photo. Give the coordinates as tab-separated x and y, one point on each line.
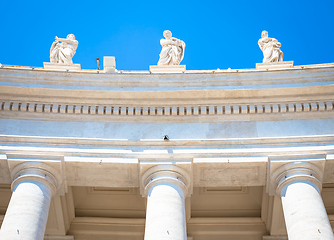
228	103
264	111
138	97
310	75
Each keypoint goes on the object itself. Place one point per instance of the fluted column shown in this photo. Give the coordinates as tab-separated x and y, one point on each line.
27	213
298	184
166	188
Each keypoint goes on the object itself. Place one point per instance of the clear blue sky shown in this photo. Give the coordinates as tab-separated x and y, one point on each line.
218	34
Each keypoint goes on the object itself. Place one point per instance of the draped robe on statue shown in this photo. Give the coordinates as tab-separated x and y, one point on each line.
172	51
271	50
63	52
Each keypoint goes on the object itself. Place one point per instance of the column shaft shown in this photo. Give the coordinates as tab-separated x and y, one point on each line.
304	212
27	212
165	214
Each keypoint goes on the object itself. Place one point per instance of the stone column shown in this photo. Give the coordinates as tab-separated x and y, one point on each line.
166	188
28	209
299	185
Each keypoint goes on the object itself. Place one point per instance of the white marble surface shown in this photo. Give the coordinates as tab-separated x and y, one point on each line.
304	212
132	131
141	81
275	65
27	213
225	152
63	49
109	64
165	213
270	48
172	52
168	69
60	66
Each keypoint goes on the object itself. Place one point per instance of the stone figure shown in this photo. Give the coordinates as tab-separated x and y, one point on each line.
270	48
172	51
63	52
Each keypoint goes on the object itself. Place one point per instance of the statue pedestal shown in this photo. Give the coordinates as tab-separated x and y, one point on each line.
59	66
167	68
275	65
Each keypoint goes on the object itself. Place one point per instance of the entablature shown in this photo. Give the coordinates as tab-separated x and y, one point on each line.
294	93
211	165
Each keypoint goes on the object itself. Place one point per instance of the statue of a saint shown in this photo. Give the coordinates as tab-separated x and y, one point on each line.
270	48
63	52
172	51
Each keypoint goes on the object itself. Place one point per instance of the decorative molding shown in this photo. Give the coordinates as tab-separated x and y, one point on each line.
167	69
109	110
108	228
285	169
223	190
229	174
48	237
226	228
275	238
111	191
61	66
275	65
325	140
166	173
48	169
35	171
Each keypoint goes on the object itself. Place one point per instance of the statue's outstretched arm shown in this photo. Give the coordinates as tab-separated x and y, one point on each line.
60	39
69	41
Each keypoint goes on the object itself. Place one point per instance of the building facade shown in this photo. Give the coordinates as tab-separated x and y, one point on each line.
133	155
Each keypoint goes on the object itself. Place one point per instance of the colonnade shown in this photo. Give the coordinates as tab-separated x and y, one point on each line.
298	184
33	186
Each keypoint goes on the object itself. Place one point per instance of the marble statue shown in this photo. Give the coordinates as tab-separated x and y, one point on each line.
172	51
270	48
63	52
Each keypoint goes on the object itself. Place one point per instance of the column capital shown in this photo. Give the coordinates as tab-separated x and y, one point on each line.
35	171
166	173
45	169
285	169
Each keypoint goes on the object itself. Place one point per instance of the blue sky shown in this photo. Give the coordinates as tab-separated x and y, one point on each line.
218	34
